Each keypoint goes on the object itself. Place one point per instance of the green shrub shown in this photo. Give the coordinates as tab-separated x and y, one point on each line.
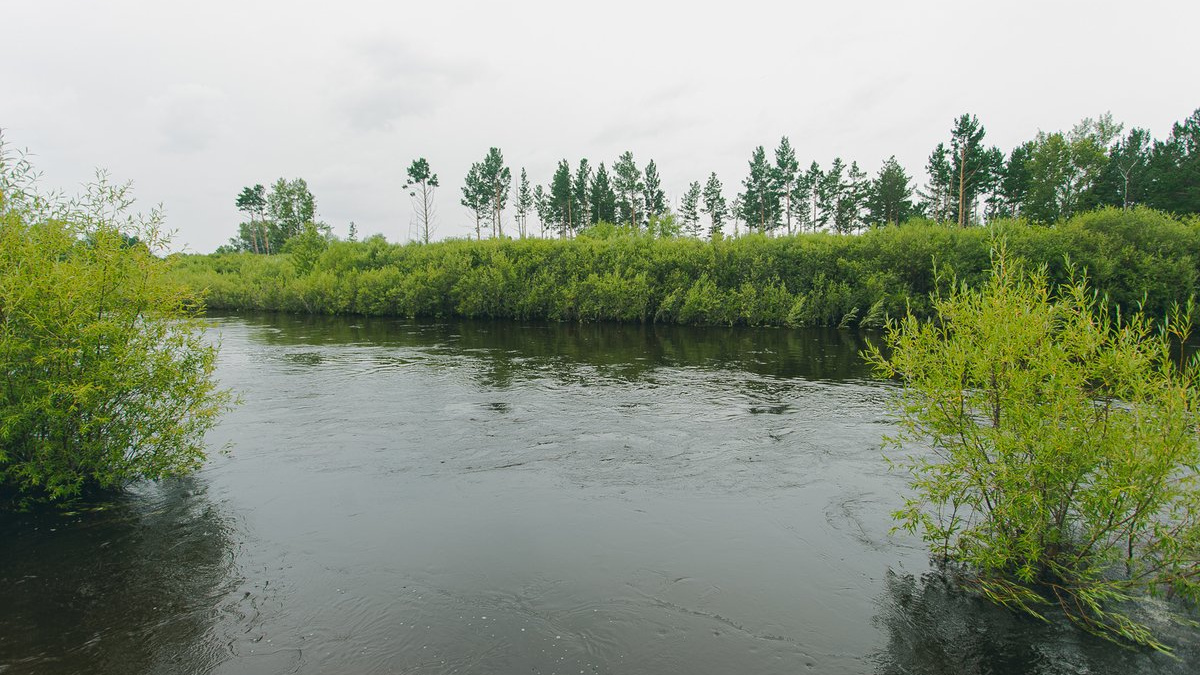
1136	257
1062	447
107	376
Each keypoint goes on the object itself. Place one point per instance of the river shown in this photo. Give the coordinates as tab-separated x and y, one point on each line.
479	497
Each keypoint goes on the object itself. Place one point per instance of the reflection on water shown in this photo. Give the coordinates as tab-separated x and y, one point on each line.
936	628
474	497
622	351
133	584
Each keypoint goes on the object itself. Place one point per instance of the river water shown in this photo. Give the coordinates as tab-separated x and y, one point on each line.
477	497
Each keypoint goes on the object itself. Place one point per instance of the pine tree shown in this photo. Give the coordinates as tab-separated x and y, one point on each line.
1124	181
561	201
541	204
937	195
829	194
581	196
786	176
421	185
604	200
654	198
497	182
1015	181
476	197
854	198
524	205
689	209
253	202
971	168
814	180
715	206
1173	172
627	183
993	196
760	201
890	200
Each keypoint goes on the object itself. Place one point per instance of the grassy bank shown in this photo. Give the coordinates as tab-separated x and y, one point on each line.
814	279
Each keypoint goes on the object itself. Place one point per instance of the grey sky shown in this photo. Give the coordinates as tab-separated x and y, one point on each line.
192	101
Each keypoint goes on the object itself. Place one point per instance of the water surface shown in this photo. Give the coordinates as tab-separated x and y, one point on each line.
474	497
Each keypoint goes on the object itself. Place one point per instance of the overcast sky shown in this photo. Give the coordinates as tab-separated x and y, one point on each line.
191	101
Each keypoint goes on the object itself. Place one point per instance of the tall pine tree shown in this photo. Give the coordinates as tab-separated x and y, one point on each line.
890	201
524	205
786	174
654	198
562	209
627	183
760	201
421	185
580	189
497	181
689	209
715	206
476	196
604	200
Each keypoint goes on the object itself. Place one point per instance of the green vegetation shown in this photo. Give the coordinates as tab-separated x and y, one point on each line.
1063	453
1051	178
613	273
107	377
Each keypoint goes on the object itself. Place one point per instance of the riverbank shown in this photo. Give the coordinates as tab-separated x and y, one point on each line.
1135	256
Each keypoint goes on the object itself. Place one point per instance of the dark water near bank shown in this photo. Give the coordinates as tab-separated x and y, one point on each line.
399	497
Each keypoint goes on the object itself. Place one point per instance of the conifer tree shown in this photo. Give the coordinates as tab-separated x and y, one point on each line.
524	205
253	202
715	206
760	201
890	200
689	209
853	199
1173	171
814	180
561	201
580	190
654	198
1124	181
786	172
421	185
627	183
829	194
604	200
496	180
476	197
937	195
541	204
1014	181
972	166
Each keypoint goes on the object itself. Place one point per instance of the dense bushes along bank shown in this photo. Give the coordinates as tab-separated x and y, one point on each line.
812	279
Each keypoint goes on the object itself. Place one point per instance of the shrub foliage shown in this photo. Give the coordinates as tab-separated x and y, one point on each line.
106	376
1062	446
608	274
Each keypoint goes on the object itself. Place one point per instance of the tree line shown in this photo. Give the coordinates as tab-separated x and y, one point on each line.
1048	178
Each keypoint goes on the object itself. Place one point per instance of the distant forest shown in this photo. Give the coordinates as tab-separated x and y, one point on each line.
1046	179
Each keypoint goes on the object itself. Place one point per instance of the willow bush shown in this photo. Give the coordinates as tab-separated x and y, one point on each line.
1062	448
107	378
